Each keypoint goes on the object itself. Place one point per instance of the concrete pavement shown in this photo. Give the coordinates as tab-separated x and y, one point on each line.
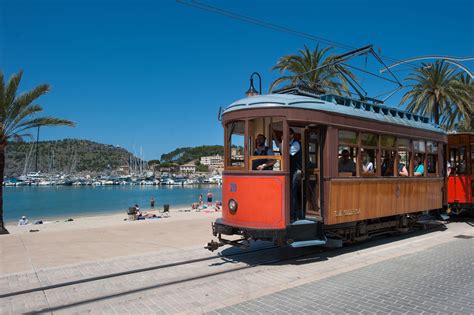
230	285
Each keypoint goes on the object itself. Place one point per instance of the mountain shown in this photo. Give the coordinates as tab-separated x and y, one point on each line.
69	155
185	155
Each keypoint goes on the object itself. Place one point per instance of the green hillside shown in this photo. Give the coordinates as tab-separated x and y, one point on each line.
185	155
64	156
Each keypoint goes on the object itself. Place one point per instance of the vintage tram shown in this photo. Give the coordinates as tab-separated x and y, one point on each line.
460	170
365	169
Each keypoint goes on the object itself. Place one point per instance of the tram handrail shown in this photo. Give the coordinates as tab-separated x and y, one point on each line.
266	157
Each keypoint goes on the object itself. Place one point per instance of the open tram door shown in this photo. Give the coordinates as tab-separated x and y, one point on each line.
312	180
307	229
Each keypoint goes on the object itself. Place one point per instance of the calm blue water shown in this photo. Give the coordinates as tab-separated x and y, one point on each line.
38	202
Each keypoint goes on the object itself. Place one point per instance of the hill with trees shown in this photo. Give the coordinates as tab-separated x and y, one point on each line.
185	155
67	156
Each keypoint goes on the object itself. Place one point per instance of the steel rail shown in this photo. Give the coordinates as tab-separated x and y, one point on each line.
128	272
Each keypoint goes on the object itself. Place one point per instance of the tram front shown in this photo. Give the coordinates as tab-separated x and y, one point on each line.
255	177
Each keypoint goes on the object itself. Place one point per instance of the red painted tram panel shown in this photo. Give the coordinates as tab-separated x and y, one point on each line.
459	189
260	201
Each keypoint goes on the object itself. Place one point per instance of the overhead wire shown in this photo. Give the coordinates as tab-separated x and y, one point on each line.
273	26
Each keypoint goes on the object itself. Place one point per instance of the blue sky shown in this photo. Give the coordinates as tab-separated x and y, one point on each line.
153	74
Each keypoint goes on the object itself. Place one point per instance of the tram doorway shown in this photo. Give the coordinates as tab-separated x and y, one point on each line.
312	171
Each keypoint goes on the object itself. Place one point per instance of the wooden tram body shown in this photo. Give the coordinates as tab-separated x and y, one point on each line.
344	205
460	156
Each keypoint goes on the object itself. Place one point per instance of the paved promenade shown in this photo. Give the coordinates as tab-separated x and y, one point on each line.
429	271
439	280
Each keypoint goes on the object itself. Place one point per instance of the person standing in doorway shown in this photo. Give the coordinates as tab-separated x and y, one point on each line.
296	166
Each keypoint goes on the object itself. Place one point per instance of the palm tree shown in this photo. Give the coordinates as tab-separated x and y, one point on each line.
467	121
437	91
17	115
300	68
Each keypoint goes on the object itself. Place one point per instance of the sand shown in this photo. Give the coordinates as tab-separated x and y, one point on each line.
100	237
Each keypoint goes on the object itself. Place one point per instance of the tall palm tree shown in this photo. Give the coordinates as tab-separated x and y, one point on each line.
299	68
437	91
17	115
467	121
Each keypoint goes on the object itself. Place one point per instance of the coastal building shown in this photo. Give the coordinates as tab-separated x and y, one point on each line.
214	162
189	168
123	170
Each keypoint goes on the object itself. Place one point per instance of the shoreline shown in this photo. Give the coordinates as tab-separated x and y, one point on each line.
78	215
104	220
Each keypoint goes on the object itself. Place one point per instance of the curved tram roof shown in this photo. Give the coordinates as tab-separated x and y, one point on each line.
336	104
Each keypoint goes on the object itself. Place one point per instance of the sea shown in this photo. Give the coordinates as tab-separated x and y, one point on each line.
60	202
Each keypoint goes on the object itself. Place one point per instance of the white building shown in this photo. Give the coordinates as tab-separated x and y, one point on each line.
213	161
189	168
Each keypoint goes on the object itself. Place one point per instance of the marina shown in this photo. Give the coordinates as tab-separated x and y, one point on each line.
43	179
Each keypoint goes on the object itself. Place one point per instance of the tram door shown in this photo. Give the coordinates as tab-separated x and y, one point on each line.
312	173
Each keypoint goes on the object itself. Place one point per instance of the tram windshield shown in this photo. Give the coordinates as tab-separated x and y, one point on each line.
264	138
262	144
235	142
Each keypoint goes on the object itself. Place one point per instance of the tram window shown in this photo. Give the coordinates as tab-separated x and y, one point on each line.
368	139
260	146
431	164
388	160
452	161
432	161
472	161
368	161
387	142
347	137
347	161
404	156
236	144
403	163
368	153
461	161
418	167
457	160
419	146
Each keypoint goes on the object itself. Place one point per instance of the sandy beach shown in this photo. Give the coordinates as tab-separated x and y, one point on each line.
101	237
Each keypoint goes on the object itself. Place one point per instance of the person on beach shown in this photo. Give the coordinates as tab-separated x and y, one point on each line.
209	198
23	221
200	200
152	202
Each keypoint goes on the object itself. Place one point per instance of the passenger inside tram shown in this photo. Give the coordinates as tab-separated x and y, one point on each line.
367	165
261	149
388	159
402	169
419	168
346	163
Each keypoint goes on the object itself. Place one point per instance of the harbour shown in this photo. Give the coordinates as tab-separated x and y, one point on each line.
58	202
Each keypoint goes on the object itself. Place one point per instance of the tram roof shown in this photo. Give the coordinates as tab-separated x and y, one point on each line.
337	104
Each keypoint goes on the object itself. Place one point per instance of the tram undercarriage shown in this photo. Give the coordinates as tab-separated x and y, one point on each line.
312	233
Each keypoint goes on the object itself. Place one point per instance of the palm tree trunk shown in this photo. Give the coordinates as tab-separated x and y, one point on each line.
3	230
436	112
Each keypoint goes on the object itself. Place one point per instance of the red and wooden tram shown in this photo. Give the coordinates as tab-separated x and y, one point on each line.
337	202
460	170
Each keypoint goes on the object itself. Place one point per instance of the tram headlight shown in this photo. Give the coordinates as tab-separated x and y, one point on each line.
232	206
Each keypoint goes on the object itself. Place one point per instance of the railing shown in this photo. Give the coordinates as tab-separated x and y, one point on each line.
277	158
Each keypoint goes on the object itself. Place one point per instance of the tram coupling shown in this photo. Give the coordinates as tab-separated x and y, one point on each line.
213	245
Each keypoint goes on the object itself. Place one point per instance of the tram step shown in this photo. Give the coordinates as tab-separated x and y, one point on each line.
305	230
308	243
444	216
